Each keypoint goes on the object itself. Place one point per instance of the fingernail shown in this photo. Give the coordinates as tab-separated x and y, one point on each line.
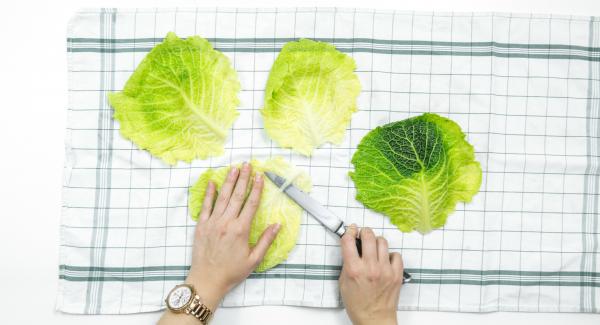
232	170
276	228
245	165
258	177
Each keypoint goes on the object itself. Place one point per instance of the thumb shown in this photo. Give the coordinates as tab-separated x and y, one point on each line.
263	244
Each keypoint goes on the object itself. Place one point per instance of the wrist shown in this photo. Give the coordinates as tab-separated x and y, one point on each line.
210	295
384	320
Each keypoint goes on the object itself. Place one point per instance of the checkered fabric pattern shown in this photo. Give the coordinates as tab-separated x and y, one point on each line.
524	88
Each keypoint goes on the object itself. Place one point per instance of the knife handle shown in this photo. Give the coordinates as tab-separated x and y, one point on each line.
359	246
406	277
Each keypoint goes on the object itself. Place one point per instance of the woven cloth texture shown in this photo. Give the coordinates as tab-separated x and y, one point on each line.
524	88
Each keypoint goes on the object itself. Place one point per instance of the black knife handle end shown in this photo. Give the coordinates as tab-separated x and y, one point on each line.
359	246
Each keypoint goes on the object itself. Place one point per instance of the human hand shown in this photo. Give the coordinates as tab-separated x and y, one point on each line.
221	256
370	285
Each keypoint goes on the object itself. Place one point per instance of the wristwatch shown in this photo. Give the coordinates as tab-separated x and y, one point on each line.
183	299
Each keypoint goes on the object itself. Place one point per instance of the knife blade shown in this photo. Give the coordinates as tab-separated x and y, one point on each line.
317	210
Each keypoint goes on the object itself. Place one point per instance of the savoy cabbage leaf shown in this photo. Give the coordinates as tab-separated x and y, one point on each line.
415	171
275	206
180	102
310	96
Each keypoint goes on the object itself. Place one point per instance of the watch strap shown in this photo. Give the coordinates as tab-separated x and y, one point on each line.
198	310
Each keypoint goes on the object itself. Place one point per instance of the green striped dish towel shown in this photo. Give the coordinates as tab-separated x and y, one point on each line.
525	88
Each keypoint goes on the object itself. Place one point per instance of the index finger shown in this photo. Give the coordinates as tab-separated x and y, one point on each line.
239	192
349	250
253	201
369	245
225	192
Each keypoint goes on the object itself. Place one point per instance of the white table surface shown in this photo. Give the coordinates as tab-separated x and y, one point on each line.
33	99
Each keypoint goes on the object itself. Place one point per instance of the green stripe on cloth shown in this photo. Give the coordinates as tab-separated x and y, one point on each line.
331	272
360	45
366	50
591	208
103	174
344	40
67	268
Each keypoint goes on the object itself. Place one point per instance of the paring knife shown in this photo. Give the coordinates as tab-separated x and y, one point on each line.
317	210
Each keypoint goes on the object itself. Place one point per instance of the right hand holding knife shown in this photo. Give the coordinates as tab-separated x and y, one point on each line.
370	284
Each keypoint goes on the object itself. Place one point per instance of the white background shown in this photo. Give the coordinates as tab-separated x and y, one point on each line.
33	98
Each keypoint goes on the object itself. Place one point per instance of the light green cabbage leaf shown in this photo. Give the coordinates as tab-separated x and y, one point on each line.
275	206
415	171
180	102
310	96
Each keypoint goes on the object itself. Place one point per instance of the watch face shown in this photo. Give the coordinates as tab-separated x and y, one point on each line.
179	297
